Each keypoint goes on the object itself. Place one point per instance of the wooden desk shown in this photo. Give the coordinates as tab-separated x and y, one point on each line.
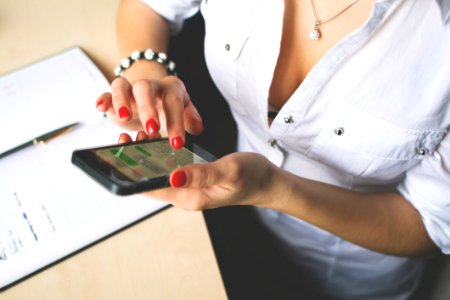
168	256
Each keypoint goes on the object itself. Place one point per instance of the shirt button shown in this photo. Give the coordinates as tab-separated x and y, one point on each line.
288	120
339	130
272	142
227	47
422	151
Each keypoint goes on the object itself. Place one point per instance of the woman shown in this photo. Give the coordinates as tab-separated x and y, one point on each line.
342	109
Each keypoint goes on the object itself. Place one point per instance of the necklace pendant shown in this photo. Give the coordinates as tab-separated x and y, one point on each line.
314	34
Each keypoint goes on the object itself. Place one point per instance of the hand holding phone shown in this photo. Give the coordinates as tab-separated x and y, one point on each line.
135	167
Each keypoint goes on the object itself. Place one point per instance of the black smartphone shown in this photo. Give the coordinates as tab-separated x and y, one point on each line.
134	167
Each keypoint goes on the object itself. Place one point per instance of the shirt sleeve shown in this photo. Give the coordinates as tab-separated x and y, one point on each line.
427	187
174	11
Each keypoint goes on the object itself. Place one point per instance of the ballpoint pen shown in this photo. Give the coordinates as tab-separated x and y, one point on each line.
40	139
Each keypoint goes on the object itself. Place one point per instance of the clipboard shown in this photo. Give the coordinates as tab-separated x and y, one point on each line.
49	209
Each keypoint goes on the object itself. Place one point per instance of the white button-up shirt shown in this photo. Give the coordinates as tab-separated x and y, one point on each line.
371	116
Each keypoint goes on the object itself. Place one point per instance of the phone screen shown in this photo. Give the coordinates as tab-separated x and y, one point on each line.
146	161
138	166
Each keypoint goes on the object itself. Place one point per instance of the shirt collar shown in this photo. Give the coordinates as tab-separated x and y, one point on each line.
444	6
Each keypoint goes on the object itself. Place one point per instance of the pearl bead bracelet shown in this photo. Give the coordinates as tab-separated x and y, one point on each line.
149	55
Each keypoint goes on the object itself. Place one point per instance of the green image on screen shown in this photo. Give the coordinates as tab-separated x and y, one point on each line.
149	160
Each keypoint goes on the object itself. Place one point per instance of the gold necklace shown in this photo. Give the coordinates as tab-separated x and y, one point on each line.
315	33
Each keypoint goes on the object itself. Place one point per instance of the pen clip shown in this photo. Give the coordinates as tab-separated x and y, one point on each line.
38	142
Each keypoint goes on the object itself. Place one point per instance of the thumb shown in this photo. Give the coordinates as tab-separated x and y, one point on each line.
195	176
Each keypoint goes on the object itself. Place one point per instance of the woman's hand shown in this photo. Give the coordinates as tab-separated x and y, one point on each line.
236	179
150	104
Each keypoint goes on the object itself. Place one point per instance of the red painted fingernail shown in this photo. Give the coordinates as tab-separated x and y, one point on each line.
178	179
99	102
121	137
177	142
151	126
124	112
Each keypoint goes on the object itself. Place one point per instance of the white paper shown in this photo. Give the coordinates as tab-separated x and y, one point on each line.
48	207
47	95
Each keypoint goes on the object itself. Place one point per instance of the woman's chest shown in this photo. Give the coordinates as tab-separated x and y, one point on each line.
299	53
367	106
